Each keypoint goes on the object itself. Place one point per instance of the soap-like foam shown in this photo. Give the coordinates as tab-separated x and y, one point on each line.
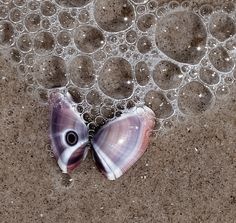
112	55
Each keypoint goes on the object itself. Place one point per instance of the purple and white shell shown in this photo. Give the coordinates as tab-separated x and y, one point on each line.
68	132
116	146
120	143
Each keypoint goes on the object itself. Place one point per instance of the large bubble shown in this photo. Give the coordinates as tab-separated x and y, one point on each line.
48	8
221	60
195	98
51	72
82	71
88	39
66	20
114	15
222	26
167	75
142	73
116	79
44	42
209	76
182	36
32	22
159	104
6	34
72	3
145	22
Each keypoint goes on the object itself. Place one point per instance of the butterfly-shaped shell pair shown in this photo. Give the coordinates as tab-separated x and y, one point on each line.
116	146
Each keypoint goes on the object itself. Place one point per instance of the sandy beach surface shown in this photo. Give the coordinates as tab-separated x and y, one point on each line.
187	175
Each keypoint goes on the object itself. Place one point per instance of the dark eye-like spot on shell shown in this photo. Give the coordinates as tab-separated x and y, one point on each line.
71	138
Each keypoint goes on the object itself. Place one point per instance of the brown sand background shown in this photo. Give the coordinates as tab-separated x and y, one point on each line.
187	175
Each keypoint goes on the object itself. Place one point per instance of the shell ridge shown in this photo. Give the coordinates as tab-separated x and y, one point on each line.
65	156
107	162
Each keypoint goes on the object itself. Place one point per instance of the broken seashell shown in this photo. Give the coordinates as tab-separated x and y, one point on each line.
68	132
120	143
116	146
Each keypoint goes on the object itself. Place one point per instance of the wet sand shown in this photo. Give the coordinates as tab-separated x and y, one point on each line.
187	175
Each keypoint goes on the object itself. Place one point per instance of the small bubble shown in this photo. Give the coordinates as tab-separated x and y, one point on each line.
99	55
158	103
160	11
32	22
88	39
33	5
87	117
209	76
204	62
19	2
121	14
145	22
80	109
84	16
19	28
228	7
140	1
82	72
21	68
46	23
131	36
118	113
173	5
44	42
100	121
115	78
3	11
94	98
15	15
152	5
144	45
48	8
222	91
29	59
172	95
64	38
168	124
107	112
72	3
30	90
6	34
24	42
140	9
231	44
120	106
167	75
15	55
221	60
185	4
123	48
75	94
142	73
212	43
66	20
228	80
206	10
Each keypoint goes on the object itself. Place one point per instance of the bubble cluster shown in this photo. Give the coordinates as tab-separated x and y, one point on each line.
112	55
